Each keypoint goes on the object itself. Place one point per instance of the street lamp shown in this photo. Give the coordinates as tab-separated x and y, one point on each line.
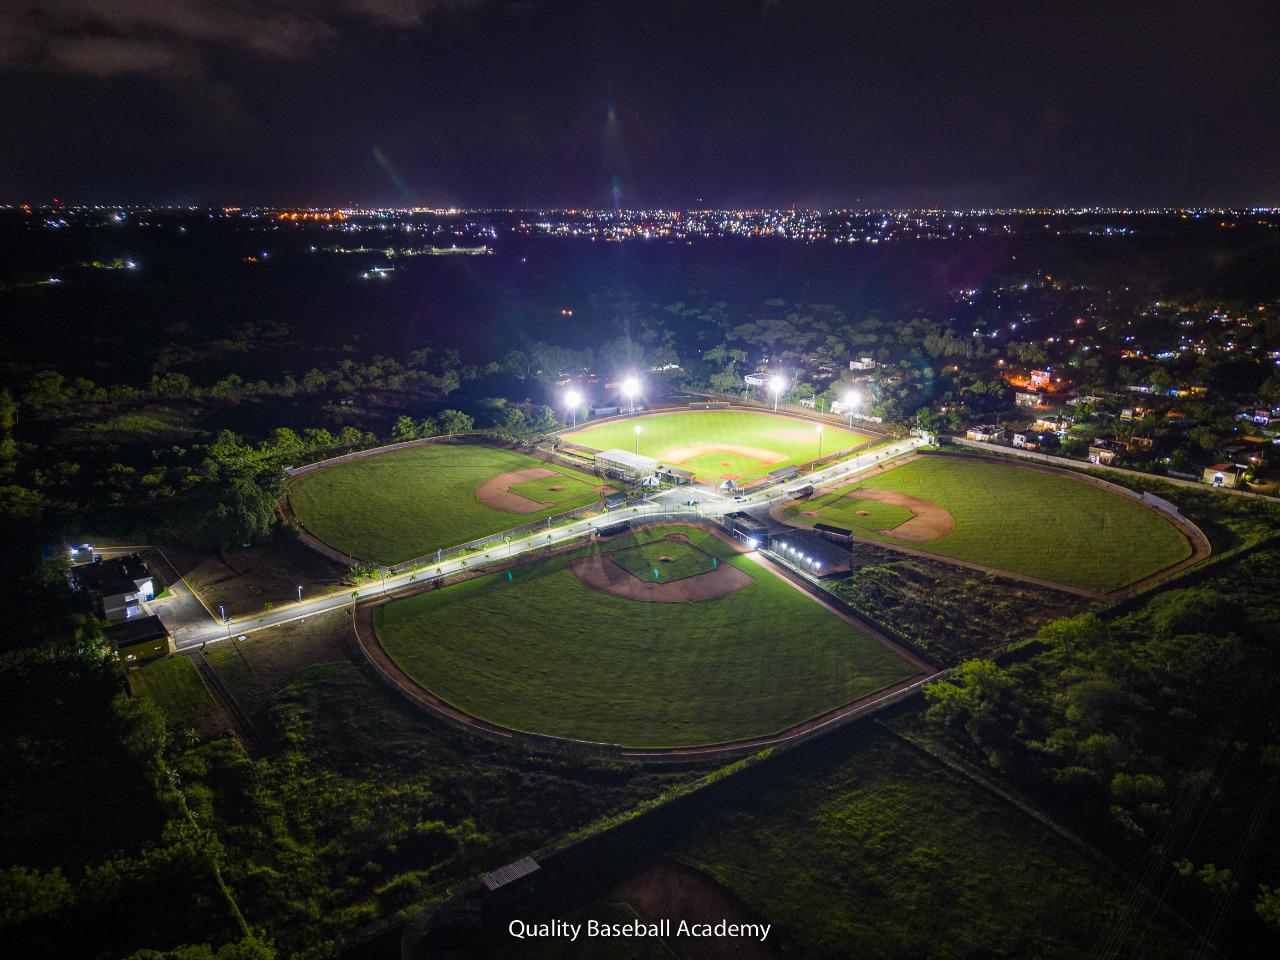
818	429
299	593
851	400
777	385
637	439
630	388
574	399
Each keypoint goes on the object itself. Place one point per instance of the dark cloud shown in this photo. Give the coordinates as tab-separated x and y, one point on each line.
113	37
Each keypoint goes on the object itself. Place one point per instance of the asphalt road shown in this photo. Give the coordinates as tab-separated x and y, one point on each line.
192	625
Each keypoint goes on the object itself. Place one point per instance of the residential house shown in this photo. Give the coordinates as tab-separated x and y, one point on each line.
1104	451
985	433
117	588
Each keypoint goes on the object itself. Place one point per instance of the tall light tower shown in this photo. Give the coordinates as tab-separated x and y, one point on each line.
630	390
818	429
851	400
637	439
573	400
777	385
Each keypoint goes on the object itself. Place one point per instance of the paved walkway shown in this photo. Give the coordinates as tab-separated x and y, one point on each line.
194	625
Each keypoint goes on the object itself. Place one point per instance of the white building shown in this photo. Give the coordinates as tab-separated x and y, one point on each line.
626	465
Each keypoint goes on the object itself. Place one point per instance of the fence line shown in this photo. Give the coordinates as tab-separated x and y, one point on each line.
992	448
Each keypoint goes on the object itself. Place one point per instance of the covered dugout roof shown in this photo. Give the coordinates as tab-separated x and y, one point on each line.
631	462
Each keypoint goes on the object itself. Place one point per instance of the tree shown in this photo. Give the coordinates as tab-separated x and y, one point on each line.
1267	906
727	379
543	419
404	429
455	421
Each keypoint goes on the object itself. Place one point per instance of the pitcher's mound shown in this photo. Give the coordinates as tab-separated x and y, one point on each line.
496	491
603	574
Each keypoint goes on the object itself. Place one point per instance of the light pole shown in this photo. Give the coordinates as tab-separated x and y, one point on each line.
299	593
818	430
573	398
851	400
637	439
777	385
631	387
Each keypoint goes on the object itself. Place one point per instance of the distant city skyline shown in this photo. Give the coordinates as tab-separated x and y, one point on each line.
641	105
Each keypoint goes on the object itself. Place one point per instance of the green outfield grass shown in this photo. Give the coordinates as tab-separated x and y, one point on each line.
558	657
407	503
1033	523
685	560
673	438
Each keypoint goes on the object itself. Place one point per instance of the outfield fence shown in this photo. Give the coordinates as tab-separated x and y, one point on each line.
1001	450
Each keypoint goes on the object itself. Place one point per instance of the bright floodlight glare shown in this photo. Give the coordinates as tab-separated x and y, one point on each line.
631	386
851	398
637	429
818	428
777	384
573	398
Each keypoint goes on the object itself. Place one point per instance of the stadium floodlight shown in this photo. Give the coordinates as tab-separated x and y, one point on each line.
573	400
777	385
637	439
851	400
630	390
818	430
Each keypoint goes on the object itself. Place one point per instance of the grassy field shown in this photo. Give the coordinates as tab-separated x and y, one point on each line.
711	442
407	503
860	516
874	850
685	560
561	658
1032	523
175	687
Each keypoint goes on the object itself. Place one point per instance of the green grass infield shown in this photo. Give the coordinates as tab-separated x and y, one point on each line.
407	503
715	444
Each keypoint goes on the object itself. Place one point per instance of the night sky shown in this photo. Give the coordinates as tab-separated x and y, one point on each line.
652	103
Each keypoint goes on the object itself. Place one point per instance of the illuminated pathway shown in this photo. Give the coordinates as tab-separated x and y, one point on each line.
667	504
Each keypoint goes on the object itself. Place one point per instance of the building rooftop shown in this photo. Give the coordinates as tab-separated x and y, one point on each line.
133	632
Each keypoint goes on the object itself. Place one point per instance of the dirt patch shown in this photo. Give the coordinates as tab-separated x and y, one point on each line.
666	559
496	491
929	523
244	581
862	513
603	574
674	891
555	487
678	455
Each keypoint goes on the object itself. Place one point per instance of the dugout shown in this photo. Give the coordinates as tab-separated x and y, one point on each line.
747	528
